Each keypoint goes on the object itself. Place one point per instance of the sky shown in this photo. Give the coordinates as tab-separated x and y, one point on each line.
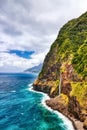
29	27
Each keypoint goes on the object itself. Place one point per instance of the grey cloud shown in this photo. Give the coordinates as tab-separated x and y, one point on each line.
29	15
12	31
39	18
3	2
9	29
1	42
34	24
27	5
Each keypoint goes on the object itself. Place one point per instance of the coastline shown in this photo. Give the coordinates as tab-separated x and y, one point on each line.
67	121
65	118
56	105
78	125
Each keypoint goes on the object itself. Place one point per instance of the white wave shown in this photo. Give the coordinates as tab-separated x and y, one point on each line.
13	91
67	122
22	113
31	89
30	85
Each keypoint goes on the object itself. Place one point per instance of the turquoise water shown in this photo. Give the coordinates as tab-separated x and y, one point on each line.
21	109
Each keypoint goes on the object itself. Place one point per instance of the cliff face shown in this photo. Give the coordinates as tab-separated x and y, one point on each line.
67	62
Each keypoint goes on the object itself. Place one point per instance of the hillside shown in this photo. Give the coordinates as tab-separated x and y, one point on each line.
35	69
64	72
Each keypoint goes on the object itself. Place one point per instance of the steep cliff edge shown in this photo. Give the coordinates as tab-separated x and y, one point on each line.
67	62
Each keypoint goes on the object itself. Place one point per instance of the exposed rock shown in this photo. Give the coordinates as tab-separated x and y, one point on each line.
39	86
74	107
57	104
85	124
66	88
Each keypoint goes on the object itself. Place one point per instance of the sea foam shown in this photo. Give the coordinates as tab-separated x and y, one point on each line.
66	122
13	91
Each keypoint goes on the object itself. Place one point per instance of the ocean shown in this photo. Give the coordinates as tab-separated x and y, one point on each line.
21	108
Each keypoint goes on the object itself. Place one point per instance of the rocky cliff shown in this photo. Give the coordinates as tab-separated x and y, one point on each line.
66	62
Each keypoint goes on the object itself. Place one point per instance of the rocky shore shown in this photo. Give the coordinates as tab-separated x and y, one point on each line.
56	105
65	104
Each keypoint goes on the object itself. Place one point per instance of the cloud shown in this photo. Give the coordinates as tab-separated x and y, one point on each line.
12	60
32	26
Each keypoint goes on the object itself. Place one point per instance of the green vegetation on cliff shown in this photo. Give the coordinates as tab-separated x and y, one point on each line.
72	39
80	60
79	89
68	54
68	57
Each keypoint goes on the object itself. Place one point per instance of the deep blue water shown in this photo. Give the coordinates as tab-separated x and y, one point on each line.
21	109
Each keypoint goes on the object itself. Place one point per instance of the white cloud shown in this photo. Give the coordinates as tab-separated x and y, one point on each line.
20	63
32	25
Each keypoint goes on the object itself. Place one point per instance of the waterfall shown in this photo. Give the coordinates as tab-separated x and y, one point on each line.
60	85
